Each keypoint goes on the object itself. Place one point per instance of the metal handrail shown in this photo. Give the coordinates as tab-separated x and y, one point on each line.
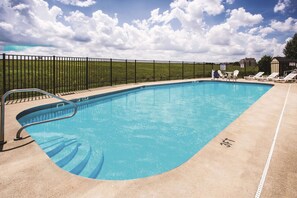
34	123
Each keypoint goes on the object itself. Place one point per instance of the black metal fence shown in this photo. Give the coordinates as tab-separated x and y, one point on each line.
65	75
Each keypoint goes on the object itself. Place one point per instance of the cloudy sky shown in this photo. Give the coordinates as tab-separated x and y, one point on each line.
190	30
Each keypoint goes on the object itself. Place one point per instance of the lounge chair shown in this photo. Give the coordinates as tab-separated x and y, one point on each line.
289	78
271	77
235	75
254	77
221	74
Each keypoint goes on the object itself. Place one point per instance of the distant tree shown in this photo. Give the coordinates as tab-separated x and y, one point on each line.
265	64
236	63
290	50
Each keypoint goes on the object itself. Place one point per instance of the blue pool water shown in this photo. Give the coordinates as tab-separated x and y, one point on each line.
141	132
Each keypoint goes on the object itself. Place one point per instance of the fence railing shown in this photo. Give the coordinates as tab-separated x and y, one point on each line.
65	75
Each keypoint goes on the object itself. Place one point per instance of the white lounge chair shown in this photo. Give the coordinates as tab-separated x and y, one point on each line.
254	77
221	74
289	78
235	75
271	77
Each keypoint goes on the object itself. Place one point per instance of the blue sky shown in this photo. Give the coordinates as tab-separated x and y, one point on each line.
193	30
127	10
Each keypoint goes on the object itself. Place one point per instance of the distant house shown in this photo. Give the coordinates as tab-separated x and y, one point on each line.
283	65
248	62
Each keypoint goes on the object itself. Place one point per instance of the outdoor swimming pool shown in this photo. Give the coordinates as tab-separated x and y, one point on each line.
140	132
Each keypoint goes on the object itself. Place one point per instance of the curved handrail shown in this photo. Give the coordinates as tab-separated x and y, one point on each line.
34	123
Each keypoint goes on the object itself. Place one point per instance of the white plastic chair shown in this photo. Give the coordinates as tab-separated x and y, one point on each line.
221	74
235	75
289	78
254	77
271	77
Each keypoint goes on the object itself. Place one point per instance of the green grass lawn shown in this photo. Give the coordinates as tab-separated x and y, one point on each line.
65	75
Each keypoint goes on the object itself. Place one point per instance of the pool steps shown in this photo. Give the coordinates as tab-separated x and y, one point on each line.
46	145
62	162
73	156
79	167
56	150
97	169
54	139
60	147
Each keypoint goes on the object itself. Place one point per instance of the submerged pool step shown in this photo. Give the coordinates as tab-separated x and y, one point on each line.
60	147
53	143
94	174
94	166
64	161
49	141
79	167
47	145
77	158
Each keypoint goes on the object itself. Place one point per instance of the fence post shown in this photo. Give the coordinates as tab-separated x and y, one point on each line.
135	71
203	70
169	70
2	141
194	70
126	71
154	69
110	72
4	75
54	74
183	70
87	73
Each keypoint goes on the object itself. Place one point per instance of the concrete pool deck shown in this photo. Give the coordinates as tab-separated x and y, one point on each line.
215	171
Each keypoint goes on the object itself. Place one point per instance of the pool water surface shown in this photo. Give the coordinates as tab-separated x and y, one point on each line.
140	132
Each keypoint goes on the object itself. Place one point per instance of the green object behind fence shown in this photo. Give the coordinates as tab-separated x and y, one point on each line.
65	75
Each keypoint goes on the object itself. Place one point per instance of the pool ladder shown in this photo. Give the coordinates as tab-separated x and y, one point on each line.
2	141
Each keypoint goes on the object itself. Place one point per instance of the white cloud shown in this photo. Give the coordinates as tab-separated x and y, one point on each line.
101	35
263	31
220	34
281	6
165	17
191	13
6	27
230	1
33	23
224	34
290	24
20	7
240	18
79	3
